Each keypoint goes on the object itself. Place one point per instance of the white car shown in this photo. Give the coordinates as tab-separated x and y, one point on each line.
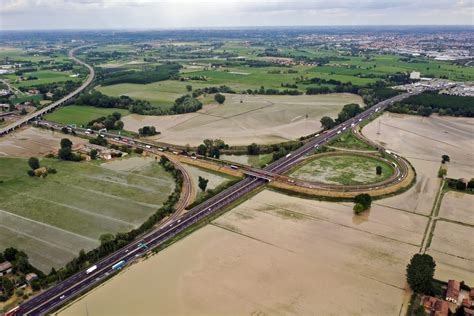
62	296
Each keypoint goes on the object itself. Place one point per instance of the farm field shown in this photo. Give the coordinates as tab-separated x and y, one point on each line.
80	114
52	219
439	135
32	141
44	77
343	169
457	206
452	243
451	247
259	119
159	94
264	257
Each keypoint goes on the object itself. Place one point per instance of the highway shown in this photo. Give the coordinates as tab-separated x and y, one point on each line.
79	283
37	114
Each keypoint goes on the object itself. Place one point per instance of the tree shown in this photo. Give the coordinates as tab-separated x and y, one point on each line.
327	122
109	123
220	98
65	143
189	87
202	183
378	170
147	131
118	125
33	162
358	208
10	253
117	115
215	152
461	185
31	173
445	158
65	153
202	150
7	286
253	149
364	199
106	238
93	154
420	272
470	184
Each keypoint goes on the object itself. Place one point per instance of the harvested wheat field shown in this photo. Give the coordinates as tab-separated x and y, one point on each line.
423	141
259	119
32	141
428	138
452	245
273	255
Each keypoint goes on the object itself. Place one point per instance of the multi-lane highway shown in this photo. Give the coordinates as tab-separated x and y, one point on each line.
35	115
57	295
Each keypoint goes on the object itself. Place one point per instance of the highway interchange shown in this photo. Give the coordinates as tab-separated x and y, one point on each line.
79	283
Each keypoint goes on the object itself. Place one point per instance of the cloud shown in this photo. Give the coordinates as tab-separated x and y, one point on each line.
51	14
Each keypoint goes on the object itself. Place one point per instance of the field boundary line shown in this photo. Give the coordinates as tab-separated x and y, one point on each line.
49	226
250	237
18	232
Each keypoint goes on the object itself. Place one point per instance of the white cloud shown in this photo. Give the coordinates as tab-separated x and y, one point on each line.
58	14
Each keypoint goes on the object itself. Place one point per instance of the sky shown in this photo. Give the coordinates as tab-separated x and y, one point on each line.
158	14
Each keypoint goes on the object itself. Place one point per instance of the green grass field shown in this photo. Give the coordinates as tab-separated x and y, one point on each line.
159	94
51	219
347	140
44	77
251	160
343	169
79	114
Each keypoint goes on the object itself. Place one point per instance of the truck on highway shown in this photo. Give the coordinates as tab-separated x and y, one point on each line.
12	311
118	265
91	269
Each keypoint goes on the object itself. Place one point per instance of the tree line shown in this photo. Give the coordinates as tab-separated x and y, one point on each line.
160	73
430	102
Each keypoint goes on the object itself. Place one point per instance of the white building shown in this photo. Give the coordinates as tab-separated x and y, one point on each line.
415	75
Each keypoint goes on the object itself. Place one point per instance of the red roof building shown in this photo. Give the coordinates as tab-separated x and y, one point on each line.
435	306
452	294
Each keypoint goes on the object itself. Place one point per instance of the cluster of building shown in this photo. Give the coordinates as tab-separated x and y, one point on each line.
102	152
6	270
456	300
445	86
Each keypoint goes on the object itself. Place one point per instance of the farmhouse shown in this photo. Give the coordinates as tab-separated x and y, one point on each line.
5	268
30	277
452	294
435	306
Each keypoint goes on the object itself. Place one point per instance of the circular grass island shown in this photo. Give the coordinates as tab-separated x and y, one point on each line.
344	169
